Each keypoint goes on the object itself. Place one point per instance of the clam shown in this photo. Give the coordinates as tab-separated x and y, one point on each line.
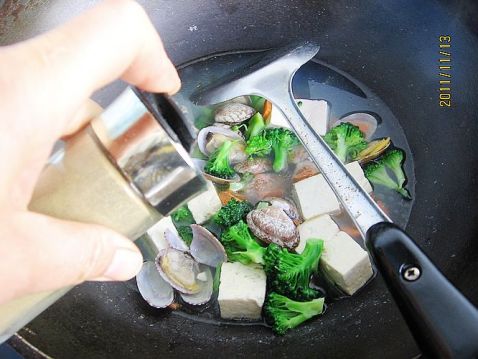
179	269
373	150
298	155
174	241
264	185
205	294
273	225
245	100
233	113
364	121
254	165
210	138
205	248
153	288
287	206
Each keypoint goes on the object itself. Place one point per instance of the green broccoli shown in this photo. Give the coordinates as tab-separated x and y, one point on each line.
259	146
284	313
218	164
255	126
182	220
282	141
232	212
346	140
241	246
376	172
289	273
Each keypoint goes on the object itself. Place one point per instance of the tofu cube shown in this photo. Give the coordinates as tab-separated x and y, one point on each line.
322	227
242	291
346	263
316	112
356	171
156	232
205	205
315	197
278	119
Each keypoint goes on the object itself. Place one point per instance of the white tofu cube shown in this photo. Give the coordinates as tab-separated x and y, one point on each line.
322	227
356	171
242	291
156	232
315	197
205	205
316	112
346	263
278	119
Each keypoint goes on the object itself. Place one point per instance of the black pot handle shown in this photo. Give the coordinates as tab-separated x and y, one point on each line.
443	322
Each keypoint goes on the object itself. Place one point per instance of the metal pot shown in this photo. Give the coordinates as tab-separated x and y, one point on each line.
391	47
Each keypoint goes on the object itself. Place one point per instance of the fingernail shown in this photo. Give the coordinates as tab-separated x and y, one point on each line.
125	265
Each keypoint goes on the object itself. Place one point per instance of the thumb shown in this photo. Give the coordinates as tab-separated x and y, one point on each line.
46	253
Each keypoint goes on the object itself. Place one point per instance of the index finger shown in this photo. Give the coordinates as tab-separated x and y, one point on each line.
59	70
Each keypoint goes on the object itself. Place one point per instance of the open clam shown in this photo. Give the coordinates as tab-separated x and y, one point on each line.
254	165
232	113
272	225
206	248
212	137
179	269
374	150
206	283
152	287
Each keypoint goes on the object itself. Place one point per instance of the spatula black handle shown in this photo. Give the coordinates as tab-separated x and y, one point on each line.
442	320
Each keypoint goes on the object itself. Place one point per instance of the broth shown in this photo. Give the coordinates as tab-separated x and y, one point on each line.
345	95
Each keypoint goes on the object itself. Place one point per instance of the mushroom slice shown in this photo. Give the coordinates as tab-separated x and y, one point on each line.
152	287
373	150
273	225
233	113
205	294
364	121
179	269
287	206
205	248
175	241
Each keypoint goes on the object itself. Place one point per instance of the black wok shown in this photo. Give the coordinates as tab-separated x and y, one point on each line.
393	49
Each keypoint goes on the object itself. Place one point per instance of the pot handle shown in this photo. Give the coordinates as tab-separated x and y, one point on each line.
443	322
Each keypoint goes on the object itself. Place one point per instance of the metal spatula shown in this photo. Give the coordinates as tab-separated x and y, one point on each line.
443	322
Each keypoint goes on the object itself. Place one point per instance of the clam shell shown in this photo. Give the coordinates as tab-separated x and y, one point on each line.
205	294
202	138
205	248
374	150
152	287
287	206
174	241
273	225
178	269
233	113
199	164
254	165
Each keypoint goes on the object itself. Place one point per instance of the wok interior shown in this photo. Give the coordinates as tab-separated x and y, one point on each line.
393	49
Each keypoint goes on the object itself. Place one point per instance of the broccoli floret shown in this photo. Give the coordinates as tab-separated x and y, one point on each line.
259	146
289	273
255	126
282	141
182	220
218	164
241	246
376	172
284	313
346	140
232	212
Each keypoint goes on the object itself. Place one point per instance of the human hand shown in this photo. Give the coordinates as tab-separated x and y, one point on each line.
45	84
